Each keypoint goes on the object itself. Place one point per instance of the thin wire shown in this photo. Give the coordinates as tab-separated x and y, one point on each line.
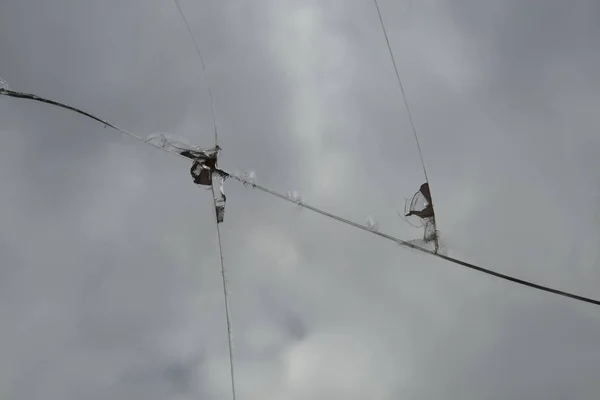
413	246
30	96
212	103
223	274
226	297
412	123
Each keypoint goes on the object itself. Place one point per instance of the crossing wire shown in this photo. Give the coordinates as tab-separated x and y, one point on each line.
223	273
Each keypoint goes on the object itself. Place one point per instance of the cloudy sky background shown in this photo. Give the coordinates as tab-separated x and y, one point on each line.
109	277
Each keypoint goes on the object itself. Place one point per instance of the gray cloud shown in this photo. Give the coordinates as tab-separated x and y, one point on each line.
109	277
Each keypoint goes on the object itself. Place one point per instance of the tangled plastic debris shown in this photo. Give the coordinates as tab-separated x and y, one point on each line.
178	145
249	177
372	224
295	196
4	84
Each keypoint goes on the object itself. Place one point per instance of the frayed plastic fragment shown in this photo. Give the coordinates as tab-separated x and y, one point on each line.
178	145
249	178
442	249
4	84
295	196
219	197
372	224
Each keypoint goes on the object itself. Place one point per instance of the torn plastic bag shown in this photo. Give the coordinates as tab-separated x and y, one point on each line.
420	204
372	224
220	197
202	171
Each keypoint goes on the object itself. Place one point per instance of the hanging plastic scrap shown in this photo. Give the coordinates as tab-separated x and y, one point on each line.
421	205
4	84
219	196
249	177
204	167
372	224
294	196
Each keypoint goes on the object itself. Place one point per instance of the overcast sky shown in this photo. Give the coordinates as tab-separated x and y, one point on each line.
109	276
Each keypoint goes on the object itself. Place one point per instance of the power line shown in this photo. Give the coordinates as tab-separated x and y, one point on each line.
12	93
212	104
30	96
34	97
413	246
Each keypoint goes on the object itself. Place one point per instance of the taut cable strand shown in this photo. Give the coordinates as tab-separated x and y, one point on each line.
212	103
412	122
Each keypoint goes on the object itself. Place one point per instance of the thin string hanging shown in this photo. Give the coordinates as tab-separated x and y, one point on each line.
212	103
410	117
246	182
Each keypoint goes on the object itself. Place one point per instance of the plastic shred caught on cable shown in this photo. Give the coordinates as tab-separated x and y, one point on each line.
372	224
295	196
4	84
249	177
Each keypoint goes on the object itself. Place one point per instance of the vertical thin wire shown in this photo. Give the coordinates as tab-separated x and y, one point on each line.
223	274
212	104
412	123
226	298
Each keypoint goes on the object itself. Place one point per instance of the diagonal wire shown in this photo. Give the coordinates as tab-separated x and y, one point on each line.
30	96
412	122
413	246
227	312
212	103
